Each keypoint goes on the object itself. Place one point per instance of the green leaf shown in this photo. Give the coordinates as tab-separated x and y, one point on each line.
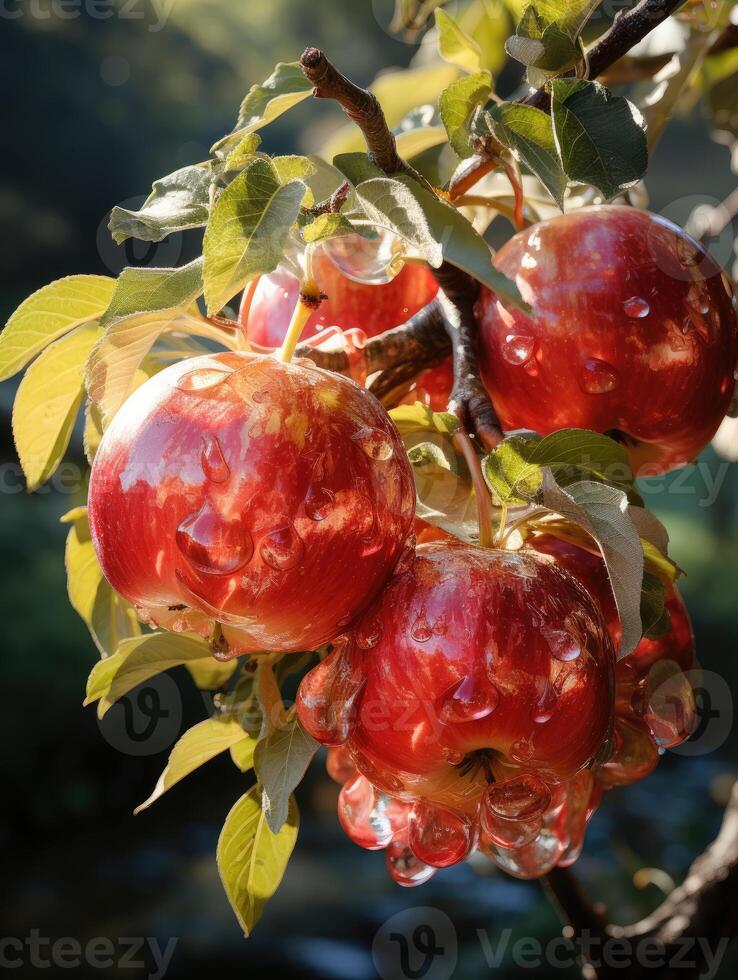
142	290
454	45
47	404
281	760
457	103
514	470
436	229
283	89
242	152
178	201
48	314
138	659
108	616
209	676
420	418
247	231
600	137
357	167
489	25
547	36
528	133
198	745
242	754
603	512
296	168
653	596
251	859
327	226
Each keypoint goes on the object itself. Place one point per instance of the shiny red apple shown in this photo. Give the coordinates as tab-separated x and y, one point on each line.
272	498
350	305
632	331
473	671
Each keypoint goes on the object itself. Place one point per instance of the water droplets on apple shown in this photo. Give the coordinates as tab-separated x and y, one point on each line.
562	644
202	379
598	377
636	308
213	462
319	502
212	544
371	260
374	442
282	548
518	348
469	699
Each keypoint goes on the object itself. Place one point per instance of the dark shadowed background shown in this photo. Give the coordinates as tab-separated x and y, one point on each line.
96	105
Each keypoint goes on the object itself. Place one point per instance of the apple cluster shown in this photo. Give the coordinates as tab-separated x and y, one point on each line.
471	698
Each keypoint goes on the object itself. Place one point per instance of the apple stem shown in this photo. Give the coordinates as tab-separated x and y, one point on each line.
484	502
308	302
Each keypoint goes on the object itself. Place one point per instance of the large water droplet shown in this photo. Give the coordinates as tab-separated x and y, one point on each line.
421	630
670	711
404	867
636	308
373	260
319	502
370	819
438	836
544	707
522	750
282	548
562	645
369	634
598	377
512	811
469	699
374	442
327	697
213	544
213	462
202	378
518	348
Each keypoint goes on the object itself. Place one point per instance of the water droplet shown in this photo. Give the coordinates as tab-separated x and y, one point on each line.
562	645
518	348
469	699
521	797
326	699
544	708
363	815
374	442
522	750
202	378
282	548
369	634
212	544
636	308
598	377
404	868
670	711
319	502
698	300
438	836
213	462
407	557
421	631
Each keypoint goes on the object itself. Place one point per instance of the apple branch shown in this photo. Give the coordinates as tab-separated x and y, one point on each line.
628	28
701	912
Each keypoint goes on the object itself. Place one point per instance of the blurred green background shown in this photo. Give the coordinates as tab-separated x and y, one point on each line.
96	107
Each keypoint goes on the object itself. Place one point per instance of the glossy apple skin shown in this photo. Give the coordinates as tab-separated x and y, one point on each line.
454	675
248	490
350	305
632	330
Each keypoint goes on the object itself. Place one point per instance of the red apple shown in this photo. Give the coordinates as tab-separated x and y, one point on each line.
473	668
350	305
272	498
632	331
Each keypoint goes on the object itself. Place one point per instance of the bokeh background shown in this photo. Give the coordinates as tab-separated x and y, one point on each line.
94	109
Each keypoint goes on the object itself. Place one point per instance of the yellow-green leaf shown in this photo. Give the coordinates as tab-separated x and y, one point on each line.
48	314
455	45
242	754
108	616
136	660
197	746
211	675
247	230
47	404
251	859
